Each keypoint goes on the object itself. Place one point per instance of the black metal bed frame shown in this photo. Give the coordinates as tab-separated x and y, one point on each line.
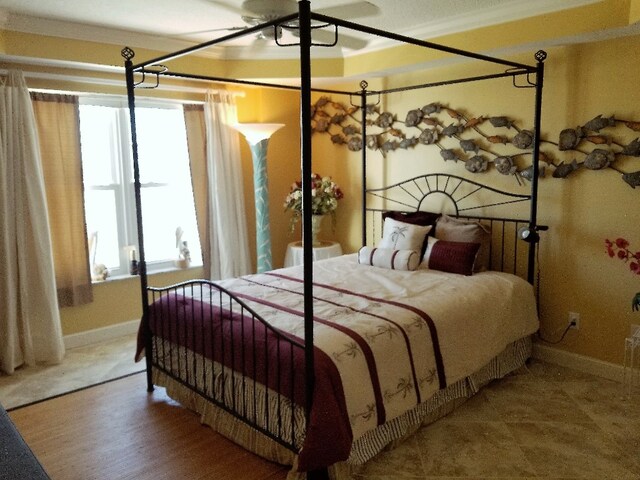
302	22
412	194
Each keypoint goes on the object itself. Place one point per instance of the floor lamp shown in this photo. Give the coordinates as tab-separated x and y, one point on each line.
257	135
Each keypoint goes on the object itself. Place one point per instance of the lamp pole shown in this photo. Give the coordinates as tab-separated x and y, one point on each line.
257	135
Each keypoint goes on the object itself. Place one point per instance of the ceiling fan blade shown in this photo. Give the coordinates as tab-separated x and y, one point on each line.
211	30
347	41
351	10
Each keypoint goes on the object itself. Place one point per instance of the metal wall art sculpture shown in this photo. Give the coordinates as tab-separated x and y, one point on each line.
482	142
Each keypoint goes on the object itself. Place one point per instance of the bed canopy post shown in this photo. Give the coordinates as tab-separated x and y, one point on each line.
128	54
363	120
306	171
540	56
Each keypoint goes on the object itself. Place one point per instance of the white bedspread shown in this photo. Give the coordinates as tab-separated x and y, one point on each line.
475	318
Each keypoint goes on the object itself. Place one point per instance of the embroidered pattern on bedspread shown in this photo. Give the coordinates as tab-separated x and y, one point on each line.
423	315
386	352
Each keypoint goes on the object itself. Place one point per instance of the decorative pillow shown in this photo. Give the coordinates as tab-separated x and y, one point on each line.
452	257
402	236
415	218
470	231
389	258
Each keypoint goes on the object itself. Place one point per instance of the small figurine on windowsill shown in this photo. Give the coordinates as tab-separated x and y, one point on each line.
99	271
184	255
134	267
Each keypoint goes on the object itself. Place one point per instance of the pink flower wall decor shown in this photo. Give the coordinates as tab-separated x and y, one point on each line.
620	248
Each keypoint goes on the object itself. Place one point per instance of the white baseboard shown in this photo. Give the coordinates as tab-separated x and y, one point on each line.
101	334
588	365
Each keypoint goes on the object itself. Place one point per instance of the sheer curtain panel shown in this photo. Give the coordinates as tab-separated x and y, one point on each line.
197	144
30	328
58	122
228	243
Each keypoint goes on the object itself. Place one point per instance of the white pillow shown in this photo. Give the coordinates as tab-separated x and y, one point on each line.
389	258
403	236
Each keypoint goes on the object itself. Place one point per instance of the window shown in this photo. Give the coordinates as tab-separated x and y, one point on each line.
165	178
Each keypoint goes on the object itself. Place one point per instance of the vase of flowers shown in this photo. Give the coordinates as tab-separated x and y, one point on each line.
620	249
325	194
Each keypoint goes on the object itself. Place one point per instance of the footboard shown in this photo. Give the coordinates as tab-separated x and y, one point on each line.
210	341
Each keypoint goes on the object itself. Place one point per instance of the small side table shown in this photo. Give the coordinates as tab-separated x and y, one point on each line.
326	249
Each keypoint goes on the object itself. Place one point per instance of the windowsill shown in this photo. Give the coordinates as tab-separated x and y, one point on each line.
117	278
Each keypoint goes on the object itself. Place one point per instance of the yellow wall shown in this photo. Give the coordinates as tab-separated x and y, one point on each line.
582	81
117	301
592	79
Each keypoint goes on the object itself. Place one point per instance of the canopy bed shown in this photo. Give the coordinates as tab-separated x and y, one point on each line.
322	366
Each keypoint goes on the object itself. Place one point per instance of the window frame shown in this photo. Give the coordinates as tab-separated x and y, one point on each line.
124	191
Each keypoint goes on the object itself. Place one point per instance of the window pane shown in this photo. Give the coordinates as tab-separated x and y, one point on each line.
162	145
164	210
100	207
164	159
99	144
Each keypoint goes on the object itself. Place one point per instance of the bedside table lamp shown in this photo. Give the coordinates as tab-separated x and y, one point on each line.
257	135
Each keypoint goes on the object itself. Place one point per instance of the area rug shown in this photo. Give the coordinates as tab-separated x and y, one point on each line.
16	458
82	367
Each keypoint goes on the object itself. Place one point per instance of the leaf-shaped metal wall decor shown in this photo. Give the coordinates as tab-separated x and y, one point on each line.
481	142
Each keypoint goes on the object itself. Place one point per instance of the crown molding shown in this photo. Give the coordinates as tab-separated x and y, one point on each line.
436	28
119	37
94	33
471	21
456	24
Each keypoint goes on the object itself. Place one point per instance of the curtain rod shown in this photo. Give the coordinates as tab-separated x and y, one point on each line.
114	83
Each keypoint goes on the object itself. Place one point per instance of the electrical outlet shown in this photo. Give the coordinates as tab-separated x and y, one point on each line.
574	320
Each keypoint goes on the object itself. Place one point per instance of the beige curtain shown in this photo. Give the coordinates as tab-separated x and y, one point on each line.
58	121
196	141
218	188
228	233
30	328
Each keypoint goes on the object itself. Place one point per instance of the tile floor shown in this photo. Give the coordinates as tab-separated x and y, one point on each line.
81	367
543	421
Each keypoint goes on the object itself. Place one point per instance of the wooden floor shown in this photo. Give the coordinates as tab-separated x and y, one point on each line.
119	431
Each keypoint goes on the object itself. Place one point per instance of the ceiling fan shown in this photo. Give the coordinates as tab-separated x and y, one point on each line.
256	12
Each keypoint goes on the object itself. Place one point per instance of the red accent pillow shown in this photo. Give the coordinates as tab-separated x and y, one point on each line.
452	257
466	230
415	218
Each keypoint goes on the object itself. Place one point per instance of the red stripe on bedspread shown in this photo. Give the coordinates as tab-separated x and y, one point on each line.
191	323
427	319
362	343
370	357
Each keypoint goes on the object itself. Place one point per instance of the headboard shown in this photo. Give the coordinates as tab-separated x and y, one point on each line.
505	213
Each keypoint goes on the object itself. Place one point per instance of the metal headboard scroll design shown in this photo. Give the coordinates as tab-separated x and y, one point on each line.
469	200
464	194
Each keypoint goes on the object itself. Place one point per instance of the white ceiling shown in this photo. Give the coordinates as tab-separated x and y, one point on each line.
170	24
